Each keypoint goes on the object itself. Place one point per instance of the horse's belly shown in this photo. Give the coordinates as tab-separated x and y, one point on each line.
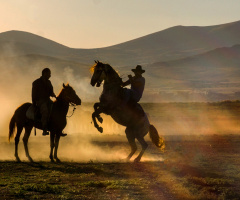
129	120
120	120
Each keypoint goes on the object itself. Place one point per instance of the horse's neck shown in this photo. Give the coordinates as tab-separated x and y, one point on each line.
111	85
61	105
112	81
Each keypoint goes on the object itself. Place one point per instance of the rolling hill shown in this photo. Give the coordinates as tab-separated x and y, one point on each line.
170	44
221	65
177	60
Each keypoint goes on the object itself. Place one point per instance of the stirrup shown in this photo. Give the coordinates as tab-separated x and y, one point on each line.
45	133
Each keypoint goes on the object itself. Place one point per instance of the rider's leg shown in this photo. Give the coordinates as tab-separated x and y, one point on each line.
133	104
45	114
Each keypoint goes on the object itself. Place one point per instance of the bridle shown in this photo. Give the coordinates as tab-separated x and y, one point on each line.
99	76
70	104
74	108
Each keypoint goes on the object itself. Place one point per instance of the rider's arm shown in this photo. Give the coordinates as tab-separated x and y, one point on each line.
52	94
128	82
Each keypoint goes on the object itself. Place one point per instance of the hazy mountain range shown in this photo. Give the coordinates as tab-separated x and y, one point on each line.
205	59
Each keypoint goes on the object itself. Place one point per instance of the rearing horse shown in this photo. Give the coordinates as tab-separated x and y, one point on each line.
57	121
112	103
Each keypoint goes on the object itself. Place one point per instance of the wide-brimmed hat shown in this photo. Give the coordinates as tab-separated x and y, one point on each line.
138	69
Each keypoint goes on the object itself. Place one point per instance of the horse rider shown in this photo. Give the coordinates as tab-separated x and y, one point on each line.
42	90
137	85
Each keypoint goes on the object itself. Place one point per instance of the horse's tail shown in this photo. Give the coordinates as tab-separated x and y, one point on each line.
156	139
12	127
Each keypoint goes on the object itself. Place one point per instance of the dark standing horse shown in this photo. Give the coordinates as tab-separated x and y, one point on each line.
57	121
112	103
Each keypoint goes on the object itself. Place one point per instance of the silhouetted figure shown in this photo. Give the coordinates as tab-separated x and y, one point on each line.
56	123
42	90
137	84
137	87
113	103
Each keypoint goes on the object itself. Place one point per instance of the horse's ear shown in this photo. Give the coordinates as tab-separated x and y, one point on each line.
64	85
95	61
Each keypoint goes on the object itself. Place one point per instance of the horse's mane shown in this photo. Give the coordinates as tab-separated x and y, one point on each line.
110	69
60	93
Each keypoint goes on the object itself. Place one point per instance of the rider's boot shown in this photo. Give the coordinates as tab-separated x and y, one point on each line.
44	125
63	134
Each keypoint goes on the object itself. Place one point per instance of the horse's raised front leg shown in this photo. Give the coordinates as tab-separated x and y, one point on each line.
56	147
96	114
52	136
96	107
19	130
27	133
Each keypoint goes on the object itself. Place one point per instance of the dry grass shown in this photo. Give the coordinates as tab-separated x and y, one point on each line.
201	168
201	165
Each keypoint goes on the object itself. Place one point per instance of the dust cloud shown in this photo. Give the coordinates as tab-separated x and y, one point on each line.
17	75
84	143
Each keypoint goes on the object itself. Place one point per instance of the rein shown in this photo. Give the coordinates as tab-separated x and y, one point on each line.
70	104
74	108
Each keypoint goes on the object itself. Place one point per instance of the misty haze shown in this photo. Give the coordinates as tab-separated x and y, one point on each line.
197	71
191	96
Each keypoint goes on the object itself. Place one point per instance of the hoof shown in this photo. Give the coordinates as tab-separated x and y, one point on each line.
58	161
51	158
137	160
30	160
18	159
100	129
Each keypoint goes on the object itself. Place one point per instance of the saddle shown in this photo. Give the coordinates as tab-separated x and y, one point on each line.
120	99
33	113
127	101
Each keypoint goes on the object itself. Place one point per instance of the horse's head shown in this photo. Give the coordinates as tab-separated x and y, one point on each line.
103	72
99	73
69	95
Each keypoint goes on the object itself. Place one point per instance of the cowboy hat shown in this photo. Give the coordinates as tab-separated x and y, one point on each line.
138	69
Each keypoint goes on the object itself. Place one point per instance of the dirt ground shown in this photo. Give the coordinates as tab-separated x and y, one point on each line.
201	159
200	167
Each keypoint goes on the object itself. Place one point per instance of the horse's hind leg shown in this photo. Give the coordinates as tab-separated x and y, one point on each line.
28	130
144	147
131	140
19	131
52	137
56	147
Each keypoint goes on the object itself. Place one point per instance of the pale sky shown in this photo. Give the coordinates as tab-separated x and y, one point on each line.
101	23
